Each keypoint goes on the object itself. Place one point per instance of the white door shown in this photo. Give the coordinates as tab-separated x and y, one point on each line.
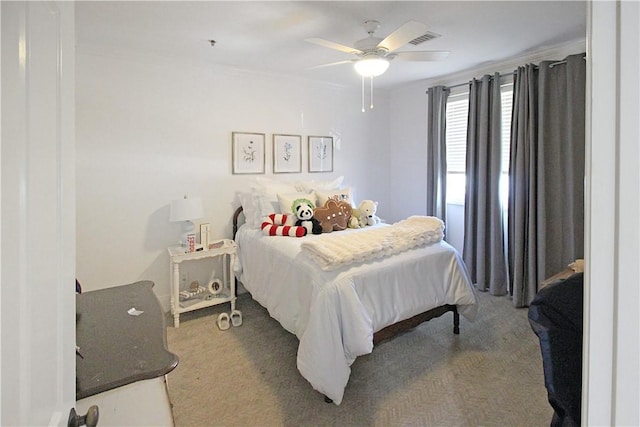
37	299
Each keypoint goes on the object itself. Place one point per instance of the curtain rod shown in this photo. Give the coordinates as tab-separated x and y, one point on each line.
466	83
564	61
553	64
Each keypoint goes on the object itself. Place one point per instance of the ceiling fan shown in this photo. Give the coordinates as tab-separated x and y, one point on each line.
372	54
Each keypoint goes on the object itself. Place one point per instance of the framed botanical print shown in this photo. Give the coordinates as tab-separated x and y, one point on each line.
320	154
287	153
247	151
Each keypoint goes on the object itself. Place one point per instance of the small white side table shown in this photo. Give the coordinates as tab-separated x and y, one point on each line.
227	293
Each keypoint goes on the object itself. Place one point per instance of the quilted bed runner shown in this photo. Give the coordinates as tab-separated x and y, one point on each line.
336	250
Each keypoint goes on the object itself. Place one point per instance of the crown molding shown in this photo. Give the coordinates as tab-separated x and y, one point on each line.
555	52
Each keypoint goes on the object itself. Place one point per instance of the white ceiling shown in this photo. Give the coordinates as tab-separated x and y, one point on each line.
269	35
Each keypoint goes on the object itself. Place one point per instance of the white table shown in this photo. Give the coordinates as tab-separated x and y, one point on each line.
227	292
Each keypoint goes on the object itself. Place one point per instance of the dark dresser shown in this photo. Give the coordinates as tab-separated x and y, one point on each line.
123	356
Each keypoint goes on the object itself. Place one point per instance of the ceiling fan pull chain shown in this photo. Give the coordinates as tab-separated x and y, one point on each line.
363	94
371	93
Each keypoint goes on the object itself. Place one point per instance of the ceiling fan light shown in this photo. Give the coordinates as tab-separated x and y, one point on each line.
371	66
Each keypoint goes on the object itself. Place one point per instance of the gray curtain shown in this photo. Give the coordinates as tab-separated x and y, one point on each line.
436	152
546	173
483	250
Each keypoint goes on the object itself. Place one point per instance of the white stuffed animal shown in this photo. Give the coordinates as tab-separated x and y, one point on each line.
368	210
303	209
356	220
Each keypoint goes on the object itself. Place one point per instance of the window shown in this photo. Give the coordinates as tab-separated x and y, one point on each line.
506	91
456	140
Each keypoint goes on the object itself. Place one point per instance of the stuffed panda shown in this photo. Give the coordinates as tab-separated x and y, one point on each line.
303	209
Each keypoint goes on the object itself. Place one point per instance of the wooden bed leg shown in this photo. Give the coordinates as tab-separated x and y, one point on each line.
456	321
327	400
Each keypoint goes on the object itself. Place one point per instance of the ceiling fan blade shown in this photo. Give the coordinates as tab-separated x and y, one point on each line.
403	35
332	45
431	55
346	61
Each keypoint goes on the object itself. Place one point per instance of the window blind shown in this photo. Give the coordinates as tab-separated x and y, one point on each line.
456	133
506	92
456	141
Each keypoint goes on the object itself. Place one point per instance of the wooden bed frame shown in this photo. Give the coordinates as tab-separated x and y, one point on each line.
401	326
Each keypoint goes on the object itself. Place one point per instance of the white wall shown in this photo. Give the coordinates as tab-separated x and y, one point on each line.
150	129
408	151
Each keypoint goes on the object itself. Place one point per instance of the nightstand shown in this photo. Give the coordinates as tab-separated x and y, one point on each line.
221	292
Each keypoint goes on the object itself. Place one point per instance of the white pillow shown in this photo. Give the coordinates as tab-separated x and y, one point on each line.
286	200
343	194
307	186
265	195
274	186
251	215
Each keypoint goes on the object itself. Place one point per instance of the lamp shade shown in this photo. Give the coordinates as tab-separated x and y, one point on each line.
186	209
371	66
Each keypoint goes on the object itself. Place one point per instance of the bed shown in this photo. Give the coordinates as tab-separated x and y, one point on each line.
339	313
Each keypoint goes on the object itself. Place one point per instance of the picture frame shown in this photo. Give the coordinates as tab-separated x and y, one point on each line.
287	153
320	154
247	153
204	235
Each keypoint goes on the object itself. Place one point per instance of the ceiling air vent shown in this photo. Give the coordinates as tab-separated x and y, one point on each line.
423	38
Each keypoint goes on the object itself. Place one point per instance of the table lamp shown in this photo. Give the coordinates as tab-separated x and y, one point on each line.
184	210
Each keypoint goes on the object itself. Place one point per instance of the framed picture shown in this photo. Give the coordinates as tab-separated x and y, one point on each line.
204	235
320	154
247	151
287	153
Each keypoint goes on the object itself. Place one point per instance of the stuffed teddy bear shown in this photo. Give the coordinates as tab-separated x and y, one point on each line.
355	221
368	210
303	209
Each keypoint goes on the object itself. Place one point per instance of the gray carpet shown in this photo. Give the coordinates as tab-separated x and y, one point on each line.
490	374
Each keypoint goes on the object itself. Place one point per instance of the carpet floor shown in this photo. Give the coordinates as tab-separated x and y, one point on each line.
489	375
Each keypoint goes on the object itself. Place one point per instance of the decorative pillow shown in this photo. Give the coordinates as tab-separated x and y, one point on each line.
314	185
343	194
285	201
333	215
281	225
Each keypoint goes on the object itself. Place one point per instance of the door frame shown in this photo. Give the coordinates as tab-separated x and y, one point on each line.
611	380
37	213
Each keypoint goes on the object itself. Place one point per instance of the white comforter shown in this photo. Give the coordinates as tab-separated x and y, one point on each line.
335	313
